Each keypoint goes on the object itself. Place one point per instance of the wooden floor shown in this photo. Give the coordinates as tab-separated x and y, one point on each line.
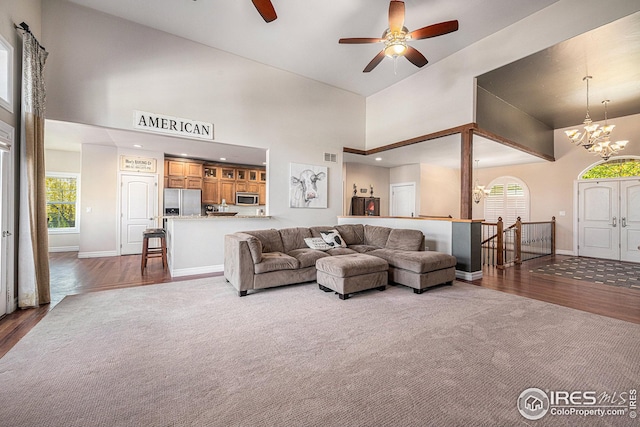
71	275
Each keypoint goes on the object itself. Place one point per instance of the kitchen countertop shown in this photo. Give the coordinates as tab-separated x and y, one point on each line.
194	217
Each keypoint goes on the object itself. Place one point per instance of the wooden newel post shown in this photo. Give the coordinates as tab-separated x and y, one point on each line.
518	242
500	244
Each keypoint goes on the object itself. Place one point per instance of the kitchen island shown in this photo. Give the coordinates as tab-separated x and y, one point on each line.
195	244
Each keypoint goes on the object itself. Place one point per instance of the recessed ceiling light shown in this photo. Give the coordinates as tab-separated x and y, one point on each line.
223	158
184	154
264	163
378	159
137	145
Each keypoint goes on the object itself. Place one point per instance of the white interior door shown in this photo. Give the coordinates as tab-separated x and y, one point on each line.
630	220
598	220
138	199
5	236
403	199
7	304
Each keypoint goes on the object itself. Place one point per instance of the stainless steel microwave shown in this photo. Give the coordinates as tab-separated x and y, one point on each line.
247	199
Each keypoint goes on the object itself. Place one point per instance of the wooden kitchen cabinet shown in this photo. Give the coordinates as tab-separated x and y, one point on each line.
211	192
211	172
228	192
227	174
193	169
262	193
175	182
193	183
175	168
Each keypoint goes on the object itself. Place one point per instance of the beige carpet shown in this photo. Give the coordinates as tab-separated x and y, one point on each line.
194	354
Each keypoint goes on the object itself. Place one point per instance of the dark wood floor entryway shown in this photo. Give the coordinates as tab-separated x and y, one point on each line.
70	275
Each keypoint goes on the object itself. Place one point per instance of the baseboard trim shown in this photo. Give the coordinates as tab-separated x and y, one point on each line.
564	252
469	275
64	249
180	272
98	254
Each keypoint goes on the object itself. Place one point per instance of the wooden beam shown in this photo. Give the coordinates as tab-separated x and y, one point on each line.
466	173
509	143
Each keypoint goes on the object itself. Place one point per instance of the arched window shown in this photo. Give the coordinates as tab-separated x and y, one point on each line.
619	167
508	198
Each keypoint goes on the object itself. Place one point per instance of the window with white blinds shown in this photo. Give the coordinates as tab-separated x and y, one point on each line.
508	198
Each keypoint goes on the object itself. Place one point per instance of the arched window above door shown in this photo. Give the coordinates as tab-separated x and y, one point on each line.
620	167
508	198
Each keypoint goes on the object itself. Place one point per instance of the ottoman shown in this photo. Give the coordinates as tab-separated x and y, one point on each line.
346	274
419	270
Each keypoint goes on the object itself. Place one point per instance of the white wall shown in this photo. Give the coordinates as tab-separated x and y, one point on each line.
63	161
441	95
98	201
440	191
103	68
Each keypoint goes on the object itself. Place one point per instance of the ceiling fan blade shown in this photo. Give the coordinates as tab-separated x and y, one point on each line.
396	16
415	57
359	40
265	7
374	62
434	30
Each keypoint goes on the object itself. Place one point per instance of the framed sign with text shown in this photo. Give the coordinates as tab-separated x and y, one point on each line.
137	164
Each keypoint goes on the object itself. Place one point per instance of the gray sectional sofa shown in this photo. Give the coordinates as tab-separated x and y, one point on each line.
267	258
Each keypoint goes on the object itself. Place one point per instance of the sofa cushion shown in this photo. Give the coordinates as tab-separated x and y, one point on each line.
270	239
341	251
293	238
416	261
255	247
273	261
333	238
353	234
375	235
315	230
405	240
307	257
364	248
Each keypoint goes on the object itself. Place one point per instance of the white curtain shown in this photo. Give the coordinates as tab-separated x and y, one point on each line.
33	257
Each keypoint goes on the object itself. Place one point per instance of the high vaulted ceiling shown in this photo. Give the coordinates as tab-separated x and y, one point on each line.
304	38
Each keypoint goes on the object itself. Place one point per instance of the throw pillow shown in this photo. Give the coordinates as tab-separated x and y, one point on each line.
333	238
317	243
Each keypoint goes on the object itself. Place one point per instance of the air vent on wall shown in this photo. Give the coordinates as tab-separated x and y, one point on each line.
330	157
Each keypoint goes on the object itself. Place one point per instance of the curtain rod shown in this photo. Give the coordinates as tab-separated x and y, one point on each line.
24	27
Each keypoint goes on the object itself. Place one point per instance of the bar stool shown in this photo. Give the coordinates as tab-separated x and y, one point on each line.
147	252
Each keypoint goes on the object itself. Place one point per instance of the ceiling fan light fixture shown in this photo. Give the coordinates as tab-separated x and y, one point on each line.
395	49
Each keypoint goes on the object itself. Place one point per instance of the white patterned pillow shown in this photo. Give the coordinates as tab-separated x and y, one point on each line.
317	243
333	238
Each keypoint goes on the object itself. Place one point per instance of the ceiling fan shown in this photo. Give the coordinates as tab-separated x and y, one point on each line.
265	7
395	38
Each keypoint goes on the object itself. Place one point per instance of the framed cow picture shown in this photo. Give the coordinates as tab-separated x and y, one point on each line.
308	186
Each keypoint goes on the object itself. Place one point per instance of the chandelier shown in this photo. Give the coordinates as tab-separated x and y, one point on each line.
596	139
604	147
591	131
478	191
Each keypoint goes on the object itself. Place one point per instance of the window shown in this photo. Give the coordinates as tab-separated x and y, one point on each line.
616	168
6	75
508	198
63	191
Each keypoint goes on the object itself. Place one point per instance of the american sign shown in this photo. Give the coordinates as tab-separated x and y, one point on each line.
172	125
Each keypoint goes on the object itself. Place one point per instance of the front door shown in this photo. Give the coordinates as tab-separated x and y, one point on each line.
138	199
630	220
609	219
598	219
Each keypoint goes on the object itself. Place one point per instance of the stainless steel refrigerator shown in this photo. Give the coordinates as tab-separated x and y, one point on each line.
182	202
